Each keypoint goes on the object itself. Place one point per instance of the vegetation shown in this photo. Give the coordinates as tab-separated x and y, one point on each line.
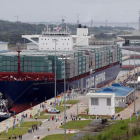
105	36
121	130
72	101
118	109
11	32
18	131
76	124
57	137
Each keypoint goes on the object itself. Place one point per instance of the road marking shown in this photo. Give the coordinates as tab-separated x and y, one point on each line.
45	120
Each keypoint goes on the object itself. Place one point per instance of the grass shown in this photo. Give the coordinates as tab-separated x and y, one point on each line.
91	117
76	124
58	137
18	131
113	131
118	109
87	109
72	101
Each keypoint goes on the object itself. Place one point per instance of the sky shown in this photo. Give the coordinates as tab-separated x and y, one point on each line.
53	10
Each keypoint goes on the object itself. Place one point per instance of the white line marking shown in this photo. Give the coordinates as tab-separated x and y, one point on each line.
45	120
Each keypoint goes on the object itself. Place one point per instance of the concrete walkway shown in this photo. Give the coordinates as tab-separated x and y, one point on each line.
54	127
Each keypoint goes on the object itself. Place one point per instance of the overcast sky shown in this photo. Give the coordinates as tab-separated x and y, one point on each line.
52	10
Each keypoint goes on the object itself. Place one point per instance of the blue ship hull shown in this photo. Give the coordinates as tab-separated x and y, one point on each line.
28	92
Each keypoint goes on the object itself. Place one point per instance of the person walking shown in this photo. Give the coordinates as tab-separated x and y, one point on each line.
48	128
71	115
61	122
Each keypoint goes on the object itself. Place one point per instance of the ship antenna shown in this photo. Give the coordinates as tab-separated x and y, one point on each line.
18	61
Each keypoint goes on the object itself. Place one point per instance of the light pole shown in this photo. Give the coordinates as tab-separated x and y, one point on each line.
64	58
55	40
130	115
134	82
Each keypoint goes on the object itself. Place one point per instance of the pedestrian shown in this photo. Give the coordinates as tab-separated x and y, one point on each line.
71	115
36	118
33	129
7	127
61	122
93	117
121	117
48	128
21	137
66	117
26	115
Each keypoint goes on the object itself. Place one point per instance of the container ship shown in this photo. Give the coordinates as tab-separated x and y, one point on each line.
28	77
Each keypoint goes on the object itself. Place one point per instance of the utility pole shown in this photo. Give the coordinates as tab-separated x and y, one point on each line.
63	19
106	23
55	40
16	17
134	83
91	21
78	18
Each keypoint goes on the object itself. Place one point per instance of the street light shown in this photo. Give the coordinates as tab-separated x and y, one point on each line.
130	115
134	81
64	58
55	40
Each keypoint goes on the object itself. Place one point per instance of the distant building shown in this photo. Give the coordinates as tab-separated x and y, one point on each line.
123	95
3	45
101	103
32	46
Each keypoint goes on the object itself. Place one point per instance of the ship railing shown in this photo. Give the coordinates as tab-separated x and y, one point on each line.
55	33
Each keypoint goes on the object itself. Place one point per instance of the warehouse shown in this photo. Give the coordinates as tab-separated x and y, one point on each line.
123	95
101	103
3	45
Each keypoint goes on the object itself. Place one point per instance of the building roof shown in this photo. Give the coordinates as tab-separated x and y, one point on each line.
105	95
117	89
2	42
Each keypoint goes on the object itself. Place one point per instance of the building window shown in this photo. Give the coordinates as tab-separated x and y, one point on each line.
94	101
108	101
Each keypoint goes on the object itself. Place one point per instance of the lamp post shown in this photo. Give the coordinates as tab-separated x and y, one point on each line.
55	40
130	115
134	82
64	58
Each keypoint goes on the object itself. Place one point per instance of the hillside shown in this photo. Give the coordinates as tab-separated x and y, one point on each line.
11	32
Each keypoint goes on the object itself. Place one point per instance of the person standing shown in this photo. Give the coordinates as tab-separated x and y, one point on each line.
48	128
7	127
61	122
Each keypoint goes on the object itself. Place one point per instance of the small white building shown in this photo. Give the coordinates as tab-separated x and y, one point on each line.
3	45
32	46
101	103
